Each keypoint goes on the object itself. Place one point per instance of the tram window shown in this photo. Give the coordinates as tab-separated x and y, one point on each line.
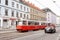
30	23
43	24
24	22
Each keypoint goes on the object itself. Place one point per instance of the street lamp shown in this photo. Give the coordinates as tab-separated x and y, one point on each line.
54	1
56	4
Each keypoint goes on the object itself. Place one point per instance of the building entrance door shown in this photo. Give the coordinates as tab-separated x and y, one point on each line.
5	23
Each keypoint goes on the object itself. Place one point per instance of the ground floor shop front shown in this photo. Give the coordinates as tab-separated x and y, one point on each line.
11	23
7	23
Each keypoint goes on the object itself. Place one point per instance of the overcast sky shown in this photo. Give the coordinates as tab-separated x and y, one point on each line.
55	7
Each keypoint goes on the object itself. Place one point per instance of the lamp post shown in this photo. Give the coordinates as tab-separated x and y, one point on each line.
56	4
54	1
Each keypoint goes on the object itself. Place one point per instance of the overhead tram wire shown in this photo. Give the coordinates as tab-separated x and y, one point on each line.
55	3
45	6
40	3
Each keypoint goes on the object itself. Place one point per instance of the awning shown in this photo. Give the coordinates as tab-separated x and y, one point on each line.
12	18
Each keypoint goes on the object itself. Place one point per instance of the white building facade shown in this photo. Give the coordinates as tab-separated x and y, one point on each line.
58	21
51	17
12	11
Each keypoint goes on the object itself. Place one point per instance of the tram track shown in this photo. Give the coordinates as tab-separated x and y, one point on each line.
9	36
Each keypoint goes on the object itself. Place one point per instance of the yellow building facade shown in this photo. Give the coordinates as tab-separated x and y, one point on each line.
37	14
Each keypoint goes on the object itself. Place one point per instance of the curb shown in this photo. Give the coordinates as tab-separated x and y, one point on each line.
7	31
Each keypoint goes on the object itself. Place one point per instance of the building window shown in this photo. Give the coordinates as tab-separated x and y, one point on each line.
27	16
21	7
12	4
6	2
20	14
27	9
24	15
17	15
0	10
24	8
6	12
17	6
33	10
0	1
12	13
48	14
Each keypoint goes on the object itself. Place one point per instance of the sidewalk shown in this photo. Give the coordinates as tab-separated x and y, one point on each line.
7	30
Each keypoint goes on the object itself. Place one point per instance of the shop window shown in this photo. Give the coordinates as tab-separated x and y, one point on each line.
12	22
5	20
5	23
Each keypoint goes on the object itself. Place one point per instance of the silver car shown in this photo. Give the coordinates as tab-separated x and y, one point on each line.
50	29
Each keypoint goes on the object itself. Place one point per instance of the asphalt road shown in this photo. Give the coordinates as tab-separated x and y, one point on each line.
31	35
13	35
42	36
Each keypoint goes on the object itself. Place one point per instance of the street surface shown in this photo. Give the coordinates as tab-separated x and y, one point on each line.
31	35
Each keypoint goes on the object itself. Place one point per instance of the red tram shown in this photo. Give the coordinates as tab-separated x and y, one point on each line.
20	27
29	27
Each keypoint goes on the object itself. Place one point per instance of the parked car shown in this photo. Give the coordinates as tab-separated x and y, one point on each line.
50	29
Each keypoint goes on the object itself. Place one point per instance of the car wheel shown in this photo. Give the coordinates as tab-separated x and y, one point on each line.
54	30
